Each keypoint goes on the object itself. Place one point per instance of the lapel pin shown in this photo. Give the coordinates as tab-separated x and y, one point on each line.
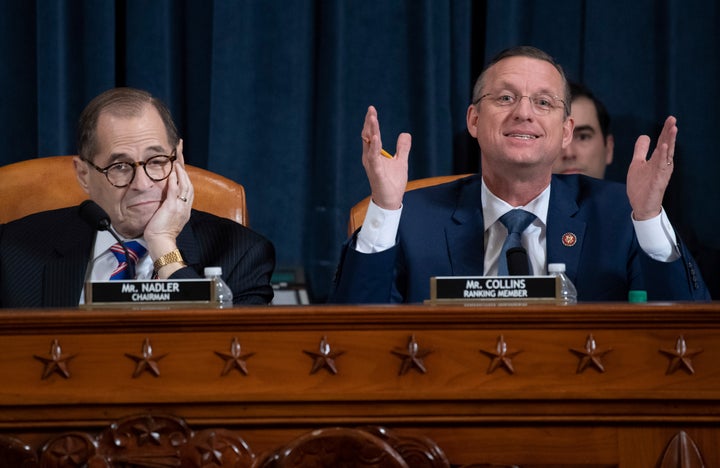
569	239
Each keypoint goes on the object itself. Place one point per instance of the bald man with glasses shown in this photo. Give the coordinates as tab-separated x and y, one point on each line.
130	163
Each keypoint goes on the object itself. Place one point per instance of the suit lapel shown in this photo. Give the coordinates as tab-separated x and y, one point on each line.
189	246
565	233
465	236
64	272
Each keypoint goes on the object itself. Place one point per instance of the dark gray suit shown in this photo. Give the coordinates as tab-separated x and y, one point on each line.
44	257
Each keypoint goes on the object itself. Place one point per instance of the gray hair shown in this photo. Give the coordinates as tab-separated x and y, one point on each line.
524	51
121	102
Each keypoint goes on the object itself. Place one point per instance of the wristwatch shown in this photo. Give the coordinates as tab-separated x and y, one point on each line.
171	257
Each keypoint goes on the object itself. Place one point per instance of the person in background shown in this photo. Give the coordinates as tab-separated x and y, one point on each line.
611	237
591	151
592	145
130	163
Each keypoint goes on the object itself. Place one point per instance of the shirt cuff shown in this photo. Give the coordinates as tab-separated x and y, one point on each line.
656	237
379	229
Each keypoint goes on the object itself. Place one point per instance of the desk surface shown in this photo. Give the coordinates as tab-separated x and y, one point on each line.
488	384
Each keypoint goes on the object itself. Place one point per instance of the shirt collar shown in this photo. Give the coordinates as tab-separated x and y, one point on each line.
494	207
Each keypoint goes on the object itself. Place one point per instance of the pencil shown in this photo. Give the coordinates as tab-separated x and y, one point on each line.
382	151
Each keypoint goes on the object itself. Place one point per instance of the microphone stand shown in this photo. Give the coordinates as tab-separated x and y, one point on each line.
97	218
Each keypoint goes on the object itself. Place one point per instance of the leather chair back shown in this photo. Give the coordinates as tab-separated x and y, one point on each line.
47	183
357	212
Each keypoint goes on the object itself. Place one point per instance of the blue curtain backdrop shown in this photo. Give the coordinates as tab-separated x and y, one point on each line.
273	93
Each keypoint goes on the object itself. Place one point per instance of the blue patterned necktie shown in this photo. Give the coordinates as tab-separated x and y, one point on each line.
516	221
136	252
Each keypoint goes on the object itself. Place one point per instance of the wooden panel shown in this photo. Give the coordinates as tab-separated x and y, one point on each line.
586	385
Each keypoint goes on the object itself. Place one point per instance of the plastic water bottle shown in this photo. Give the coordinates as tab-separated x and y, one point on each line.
223	293
567	293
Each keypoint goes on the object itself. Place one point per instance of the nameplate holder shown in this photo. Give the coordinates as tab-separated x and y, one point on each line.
493	289
147	292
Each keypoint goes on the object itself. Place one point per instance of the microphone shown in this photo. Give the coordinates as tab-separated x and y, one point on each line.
96	217
517	262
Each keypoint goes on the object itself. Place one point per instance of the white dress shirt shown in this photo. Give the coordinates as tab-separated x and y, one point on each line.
533	238
379	231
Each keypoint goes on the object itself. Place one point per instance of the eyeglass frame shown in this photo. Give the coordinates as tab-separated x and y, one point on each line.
519	97
172	157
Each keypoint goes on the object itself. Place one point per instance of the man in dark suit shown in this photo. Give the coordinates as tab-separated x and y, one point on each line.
131	164
612	238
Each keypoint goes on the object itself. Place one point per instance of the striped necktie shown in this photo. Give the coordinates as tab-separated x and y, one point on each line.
136	252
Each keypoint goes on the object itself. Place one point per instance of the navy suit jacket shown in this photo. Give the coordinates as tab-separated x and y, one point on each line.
44	258
441	233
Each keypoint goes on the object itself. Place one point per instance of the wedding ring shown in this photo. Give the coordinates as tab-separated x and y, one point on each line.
183	198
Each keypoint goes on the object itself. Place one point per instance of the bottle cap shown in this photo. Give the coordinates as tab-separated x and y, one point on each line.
212	271
637	296
556	267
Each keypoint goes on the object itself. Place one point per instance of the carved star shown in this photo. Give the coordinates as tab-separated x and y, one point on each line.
146	362
148	431
70	451
234	360
412	357
57	362
501	356
590	356
324	358
681	356
211	451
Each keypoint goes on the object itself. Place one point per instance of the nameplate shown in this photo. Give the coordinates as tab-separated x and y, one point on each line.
148	292
493	288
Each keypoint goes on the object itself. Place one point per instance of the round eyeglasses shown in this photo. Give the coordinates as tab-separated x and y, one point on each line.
121	174
542	104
